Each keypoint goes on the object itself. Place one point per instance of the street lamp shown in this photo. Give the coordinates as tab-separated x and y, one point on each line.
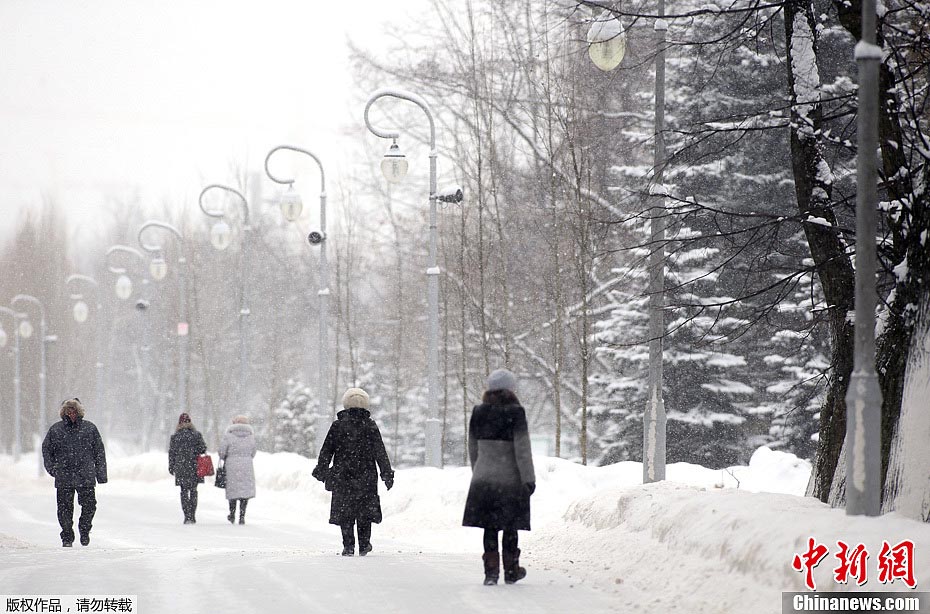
81	311
291	207
159	268
394	167
606	41
124	288
608	44
220	238
17	415
43	340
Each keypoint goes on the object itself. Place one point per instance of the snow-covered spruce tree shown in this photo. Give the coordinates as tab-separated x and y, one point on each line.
295	421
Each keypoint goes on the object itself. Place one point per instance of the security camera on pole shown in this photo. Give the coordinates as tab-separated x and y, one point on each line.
394	167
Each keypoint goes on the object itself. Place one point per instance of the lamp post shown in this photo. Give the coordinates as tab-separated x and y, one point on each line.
291	206
43	340
124	289
394	167
159	269
17	415
864	395
80	313
607	47
220	238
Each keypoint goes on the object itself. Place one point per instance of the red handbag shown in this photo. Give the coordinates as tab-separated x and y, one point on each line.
204	465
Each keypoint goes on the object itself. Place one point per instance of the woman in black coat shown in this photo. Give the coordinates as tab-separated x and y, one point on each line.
502	475
355	447
186	445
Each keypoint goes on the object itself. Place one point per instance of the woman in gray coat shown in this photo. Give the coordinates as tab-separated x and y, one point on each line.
502	475
237	451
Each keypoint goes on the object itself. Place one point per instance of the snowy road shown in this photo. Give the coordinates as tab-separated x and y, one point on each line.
275	563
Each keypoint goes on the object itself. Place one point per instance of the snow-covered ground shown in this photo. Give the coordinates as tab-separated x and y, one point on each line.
703	541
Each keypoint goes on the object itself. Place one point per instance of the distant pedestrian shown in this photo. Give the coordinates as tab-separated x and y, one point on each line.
186	445
74	455
237	451
355	447
502	475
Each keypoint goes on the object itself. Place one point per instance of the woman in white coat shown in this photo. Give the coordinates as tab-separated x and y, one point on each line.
237	451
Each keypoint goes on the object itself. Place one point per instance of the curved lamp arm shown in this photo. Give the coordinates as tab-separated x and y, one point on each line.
242	199
291	181
28	298
157	249
393	133
77	277
123	249
13	314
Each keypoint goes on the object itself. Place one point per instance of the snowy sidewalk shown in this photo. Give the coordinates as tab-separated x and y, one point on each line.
272	564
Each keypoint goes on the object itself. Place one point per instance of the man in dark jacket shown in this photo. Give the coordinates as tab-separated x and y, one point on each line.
74	455
355	447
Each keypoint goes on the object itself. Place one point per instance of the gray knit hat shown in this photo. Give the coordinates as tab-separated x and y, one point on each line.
502	379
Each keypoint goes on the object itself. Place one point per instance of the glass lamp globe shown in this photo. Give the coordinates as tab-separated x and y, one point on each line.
158	268
394	164
221	235
291	205
3	338
123	287
25	329
80	311
606	42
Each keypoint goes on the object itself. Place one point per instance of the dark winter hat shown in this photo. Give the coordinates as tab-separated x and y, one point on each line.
502	379
183	418
355	397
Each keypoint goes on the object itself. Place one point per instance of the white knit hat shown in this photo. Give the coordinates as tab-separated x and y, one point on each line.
355	397
502	379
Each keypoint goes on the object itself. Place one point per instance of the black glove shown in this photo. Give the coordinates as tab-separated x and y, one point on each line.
388	480
320	473
530	487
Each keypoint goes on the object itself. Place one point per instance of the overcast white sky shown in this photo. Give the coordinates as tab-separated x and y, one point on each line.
100	98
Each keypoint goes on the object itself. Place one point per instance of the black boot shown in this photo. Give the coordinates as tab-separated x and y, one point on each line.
364	537
348	539
492	568
242	504
232	511
512	569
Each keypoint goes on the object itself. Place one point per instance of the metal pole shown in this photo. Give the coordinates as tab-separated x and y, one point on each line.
864	396
433	423
17	397
323	292
15	333
654	422
43	334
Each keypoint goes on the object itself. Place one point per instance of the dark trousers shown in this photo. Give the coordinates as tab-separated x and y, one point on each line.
242	504
348	533
189	501
88	502
509	542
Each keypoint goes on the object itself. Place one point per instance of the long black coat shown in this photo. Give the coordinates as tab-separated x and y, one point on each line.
502	466
186	445
355	447
74	455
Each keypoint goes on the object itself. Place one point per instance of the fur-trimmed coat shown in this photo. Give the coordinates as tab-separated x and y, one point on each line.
502	469
73	452
237	450
186	445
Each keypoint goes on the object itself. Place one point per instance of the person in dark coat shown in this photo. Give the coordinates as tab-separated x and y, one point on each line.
74	455
355	447
502	475
186	445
